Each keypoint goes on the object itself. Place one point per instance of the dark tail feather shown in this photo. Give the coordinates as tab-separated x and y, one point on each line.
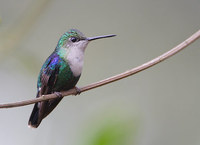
51	105
42	111
35	119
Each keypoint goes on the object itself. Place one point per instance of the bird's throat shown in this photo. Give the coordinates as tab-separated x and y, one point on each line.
75	59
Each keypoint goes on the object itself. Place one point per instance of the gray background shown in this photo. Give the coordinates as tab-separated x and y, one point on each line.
159	105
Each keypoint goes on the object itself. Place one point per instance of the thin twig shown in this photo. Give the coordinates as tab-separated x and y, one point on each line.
135	70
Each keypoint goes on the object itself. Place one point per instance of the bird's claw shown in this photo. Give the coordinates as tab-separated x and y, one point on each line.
78	91
58	94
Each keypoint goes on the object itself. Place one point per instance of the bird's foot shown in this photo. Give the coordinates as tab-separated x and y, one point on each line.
78	91
58	94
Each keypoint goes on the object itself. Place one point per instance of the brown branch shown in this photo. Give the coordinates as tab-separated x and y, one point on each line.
135	70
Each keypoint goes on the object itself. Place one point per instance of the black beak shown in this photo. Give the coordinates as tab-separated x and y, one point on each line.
99	37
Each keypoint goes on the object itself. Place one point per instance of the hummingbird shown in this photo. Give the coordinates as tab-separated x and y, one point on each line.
60	72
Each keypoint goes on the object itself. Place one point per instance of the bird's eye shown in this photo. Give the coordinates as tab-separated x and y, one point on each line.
73	39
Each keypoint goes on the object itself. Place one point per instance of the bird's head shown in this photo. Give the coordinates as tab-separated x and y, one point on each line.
75	39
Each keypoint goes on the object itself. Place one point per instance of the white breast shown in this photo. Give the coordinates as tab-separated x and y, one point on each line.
75	58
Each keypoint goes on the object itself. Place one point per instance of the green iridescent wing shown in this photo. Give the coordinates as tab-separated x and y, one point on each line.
46	82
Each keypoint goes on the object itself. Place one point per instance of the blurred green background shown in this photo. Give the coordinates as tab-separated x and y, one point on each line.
159	106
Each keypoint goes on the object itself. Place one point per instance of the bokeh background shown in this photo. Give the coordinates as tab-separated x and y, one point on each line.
159	106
